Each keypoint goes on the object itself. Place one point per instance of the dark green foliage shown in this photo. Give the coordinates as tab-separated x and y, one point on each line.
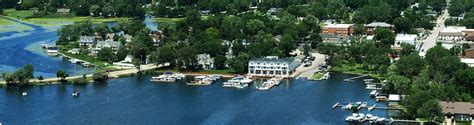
20	77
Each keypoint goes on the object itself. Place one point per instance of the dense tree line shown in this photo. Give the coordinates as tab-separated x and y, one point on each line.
21	77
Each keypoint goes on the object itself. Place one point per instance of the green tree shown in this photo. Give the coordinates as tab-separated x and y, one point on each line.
107	55
240	63
219	61
164	54
253	26
20	77
385	36
359	29
407	49
62	75
108	10
99	76
187	58
403	24
410	66
95	10
288	43
430	109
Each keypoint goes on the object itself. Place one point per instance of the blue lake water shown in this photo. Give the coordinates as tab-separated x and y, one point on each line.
135	100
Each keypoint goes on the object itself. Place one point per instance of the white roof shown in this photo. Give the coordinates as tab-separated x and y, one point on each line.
467	60
371	37
453	29
338	25
405	37
393	97
378	24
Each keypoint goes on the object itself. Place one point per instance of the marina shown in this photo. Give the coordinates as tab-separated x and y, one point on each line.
237	82
353	78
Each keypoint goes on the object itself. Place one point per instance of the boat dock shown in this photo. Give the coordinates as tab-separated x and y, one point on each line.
353	78
361	105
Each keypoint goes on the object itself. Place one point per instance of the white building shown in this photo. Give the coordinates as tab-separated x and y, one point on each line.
405	38
205	61
272	66
468	61
452	33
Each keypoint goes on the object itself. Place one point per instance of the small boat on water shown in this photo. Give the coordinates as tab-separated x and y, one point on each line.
373	93
75	93
24	94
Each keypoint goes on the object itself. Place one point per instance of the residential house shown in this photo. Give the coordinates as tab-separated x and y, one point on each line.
63	11
205	61
74	51
370	28
114	45
405	38
88	41
452	34
339	29
110	36
272	66
457	111
128	38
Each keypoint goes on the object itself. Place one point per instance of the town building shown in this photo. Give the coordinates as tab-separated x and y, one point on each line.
469	53
205	61
272	66
339	29
110	36
405	38
452	34
468	57
457	111
88	41
370	28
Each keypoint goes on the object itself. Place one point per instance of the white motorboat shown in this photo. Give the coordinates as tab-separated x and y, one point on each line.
163	78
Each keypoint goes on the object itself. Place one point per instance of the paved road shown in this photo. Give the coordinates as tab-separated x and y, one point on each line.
306	72
430	41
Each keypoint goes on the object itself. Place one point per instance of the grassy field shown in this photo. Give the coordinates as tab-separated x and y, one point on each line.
8	26
65	21
21	14
169	20
317	76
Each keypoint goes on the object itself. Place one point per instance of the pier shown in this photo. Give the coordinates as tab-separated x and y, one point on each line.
353	78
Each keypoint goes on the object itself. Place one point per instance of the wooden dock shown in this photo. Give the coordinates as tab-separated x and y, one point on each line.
353	78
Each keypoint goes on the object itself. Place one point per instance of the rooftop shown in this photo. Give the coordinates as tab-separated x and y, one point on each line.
457	107
379	24
405	37
451	29
273	59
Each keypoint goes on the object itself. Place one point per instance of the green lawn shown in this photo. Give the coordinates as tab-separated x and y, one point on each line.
170	20
355	69
317	76
20	14
68	20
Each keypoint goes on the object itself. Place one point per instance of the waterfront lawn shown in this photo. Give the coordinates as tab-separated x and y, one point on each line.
218	71
355	69
8	26
19	14
60	21
317	76
87	58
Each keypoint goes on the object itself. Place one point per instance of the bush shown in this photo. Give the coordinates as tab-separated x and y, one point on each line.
99	76
82	80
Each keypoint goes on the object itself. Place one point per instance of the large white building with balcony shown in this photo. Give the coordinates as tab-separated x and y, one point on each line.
272	66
